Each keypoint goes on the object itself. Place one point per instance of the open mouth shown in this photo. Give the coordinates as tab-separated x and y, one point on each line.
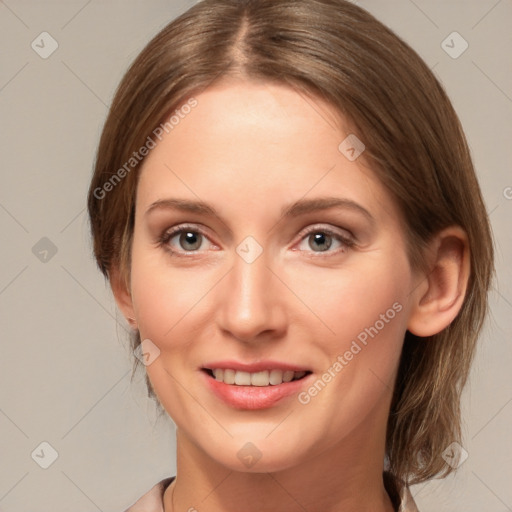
259	379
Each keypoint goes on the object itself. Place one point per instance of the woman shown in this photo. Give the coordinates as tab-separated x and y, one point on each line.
287	212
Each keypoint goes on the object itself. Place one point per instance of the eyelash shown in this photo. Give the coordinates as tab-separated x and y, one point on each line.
163	241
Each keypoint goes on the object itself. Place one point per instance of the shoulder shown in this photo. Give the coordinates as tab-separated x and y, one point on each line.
152	501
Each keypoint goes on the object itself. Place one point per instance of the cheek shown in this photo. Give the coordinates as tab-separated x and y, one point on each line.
165	296
364	317
359	353
358	295
168	302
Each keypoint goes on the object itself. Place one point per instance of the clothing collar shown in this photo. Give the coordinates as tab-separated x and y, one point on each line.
152	501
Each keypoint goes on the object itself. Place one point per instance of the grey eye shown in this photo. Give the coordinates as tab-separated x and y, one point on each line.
190	240
319	241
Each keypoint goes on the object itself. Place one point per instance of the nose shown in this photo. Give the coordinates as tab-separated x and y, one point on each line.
251	302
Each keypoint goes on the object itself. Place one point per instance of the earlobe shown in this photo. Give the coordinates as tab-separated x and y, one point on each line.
122	297
439	296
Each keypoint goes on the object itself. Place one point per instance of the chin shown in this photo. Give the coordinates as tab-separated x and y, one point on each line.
256	452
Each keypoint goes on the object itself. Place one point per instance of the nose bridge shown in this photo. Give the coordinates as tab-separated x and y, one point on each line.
249	303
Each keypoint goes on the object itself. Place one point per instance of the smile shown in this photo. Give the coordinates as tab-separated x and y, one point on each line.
260	378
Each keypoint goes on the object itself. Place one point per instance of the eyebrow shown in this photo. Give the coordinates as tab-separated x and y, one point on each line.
300	207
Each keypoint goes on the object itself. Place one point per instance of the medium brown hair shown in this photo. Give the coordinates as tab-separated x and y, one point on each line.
414	142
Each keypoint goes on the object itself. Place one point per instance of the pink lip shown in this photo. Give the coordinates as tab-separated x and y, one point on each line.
253	397
254	367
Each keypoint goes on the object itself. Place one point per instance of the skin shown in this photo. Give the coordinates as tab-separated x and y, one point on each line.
250	149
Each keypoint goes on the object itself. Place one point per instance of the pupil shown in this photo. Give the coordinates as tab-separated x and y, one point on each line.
322	240
190	240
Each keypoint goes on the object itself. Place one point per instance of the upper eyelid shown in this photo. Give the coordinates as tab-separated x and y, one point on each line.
184	227
323	227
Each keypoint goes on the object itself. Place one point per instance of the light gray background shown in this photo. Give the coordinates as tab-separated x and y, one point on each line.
65	363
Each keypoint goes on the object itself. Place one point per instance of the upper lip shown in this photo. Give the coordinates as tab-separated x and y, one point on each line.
254	367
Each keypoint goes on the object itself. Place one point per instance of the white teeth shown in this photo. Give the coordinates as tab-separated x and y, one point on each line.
242	378
276	377
263	378
260	379
229	376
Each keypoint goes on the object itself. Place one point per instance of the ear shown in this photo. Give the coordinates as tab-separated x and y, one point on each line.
439	296
122	296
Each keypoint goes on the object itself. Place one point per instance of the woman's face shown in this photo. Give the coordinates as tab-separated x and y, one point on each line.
264	251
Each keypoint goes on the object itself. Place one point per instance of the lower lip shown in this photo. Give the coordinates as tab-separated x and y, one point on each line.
253	397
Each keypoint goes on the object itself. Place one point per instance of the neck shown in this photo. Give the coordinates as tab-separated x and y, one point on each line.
347	477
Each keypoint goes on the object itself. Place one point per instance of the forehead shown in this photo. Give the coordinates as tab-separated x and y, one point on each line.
249	144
